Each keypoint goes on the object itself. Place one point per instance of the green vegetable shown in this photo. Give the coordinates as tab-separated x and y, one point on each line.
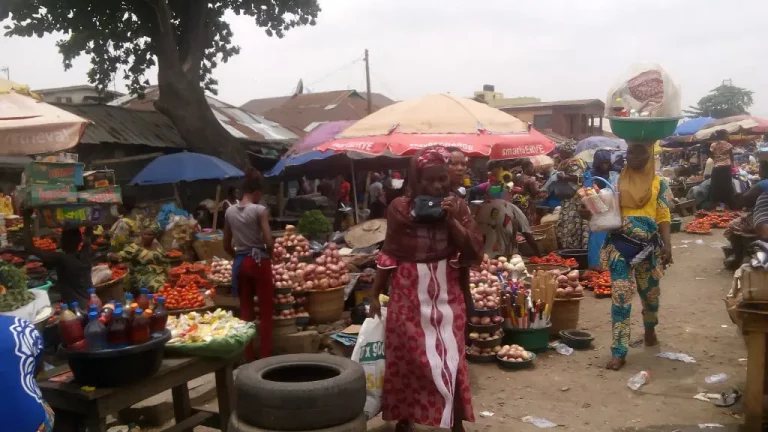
15	281
314	223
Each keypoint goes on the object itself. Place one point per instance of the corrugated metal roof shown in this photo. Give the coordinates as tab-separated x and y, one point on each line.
113	124
577	102
238	122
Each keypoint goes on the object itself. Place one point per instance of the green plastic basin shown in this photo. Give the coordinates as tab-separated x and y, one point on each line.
643	129
536	340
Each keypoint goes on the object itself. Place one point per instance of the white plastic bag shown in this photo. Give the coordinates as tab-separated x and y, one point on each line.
645	90
610	218
100	274
369	352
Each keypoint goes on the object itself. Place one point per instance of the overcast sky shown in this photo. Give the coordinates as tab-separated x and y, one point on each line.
548	49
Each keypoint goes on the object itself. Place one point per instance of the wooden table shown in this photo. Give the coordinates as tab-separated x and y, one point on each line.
755	329
93	407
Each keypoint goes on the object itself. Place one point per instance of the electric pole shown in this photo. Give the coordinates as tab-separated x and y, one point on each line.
368	82
7	71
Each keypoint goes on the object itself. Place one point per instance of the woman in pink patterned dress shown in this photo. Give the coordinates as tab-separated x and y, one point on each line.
426	380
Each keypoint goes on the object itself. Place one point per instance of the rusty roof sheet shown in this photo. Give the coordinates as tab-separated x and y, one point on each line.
112	124
576	102
238	122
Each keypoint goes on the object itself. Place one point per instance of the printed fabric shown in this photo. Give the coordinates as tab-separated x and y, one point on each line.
642	277
497	222
124	232
572	229
21	403
424	346
721	153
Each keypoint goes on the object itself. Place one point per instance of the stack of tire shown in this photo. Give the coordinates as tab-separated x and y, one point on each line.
300	392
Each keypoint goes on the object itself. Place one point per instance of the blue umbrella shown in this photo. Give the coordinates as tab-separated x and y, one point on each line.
185	166
294	160
596	142
690	127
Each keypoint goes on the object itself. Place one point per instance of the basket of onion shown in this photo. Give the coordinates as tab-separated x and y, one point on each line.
485	324
476	354
568	285
486	340
284	301
515	357
486	297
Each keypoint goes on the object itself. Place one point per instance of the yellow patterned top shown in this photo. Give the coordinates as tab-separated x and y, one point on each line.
657	207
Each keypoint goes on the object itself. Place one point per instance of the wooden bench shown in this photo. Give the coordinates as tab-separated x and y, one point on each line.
91	408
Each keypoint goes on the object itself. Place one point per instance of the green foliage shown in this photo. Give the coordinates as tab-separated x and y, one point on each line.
723	101
15	281
129	36
314	223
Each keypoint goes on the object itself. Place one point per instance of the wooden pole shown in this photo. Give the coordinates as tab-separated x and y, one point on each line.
367	186
354	191
216	211
368	83
176	195
281	199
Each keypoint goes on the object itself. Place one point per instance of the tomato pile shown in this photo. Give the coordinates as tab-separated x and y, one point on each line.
44	243
186	293
174	254
553	258
118	271
13	259
600	282
706	220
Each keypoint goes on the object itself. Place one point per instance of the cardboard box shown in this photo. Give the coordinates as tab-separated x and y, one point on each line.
99	179
74	215
105	195
51	173
35	195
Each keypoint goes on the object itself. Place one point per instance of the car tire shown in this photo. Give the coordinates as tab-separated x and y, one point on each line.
300	392
359	424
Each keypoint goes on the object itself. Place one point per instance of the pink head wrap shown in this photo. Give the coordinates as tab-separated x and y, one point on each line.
432	156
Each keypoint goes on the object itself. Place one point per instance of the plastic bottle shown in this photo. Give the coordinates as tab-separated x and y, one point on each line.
93	299
108	312
714	379
95	333
70	329
151	301
139	328
81	316
128	300
117	332
143	300
638	380
159	316
563	349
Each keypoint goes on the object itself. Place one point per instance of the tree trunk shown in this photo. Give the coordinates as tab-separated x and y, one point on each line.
183	101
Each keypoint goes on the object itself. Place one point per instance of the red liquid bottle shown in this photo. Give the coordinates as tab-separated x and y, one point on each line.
159	316
70	329
143	300
139	328
117	332
80	314
93	299
107	312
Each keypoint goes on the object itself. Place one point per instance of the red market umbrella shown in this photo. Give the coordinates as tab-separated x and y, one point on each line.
409	126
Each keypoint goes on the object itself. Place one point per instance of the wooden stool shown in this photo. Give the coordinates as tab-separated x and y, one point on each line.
755	330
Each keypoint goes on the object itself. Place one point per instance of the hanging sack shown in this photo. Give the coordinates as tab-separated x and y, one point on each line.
369	352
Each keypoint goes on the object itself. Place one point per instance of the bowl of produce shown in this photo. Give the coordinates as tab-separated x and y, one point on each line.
480	355
514	357
117	367
643	129
577	339
485	324
486	340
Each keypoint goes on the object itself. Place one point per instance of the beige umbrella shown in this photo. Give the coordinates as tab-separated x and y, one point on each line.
436	114
29	126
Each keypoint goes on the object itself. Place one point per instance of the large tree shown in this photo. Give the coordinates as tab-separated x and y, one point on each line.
724	100
186	39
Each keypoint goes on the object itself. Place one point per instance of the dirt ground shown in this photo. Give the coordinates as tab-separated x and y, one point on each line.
577	393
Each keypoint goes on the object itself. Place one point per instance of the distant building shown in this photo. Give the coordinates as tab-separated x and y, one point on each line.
574	119
77	95
304	111
490	96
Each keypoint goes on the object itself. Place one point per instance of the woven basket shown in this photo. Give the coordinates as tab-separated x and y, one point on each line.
565	315
114	289
549	242
325	306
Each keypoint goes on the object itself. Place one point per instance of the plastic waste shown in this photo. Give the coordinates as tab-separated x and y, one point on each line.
699	242
638	380
95	332
717	378
677	356
563	349
539	422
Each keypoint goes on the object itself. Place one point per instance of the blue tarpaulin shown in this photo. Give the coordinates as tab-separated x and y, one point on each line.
301	159
692	126
185	166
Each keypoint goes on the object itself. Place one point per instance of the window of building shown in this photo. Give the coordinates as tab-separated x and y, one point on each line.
542	121
63	99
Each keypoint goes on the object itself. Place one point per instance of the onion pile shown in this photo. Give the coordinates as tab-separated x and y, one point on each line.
568	285
514	353
485	295
284	299
221	271
486	320
291	245
328	271
485	336
476	350
513	268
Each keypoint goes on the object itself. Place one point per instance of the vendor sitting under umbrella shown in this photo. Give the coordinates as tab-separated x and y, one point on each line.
146	260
